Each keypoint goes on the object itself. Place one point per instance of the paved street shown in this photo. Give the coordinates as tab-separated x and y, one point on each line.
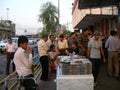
2	65
106	83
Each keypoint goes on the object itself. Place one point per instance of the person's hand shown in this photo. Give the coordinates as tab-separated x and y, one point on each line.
104	60
30	50
54	50
84	50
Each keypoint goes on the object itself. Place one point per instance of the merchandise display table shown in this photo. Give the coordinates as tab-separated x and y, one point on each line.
76	81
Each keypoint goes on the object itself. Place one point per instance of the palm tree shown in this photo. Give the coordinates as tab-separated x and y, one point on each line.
48	17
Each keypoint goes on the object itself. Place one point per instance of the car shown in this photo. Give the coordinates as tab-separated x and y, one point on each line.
3	45
32	41
15	39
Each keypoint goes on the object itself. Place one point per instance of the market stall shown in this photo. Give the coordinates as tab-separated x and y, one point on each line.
74	73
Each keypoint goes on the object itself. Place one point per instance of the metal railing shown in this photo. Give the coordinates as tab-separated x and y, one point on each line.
13	85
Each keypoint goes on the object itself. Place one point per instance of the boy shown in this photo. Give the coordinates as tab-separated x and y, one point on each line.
23	64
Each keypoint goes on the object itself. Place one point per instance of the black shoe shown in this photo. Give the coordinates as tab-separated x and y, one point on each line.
109	76
117	78
95	83
54	71
36	85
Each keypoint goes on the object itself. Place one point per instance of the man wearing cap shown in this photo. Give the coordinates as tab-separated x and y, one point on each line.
94	53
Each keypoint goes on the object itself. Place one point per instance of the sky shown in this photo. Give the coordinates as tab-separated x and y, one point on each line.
24	13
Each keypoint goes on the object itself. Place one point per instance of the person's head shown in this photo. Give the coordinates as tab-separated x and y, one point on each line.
73	35
113	33
86	32
61	37
52	46
66	36
96	35
74	44
45	37
9	40
52	38
23	42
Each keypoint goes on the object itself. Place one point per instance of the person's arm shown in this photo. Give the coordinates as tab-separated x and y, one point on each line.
66	44
107	43
81	46
6	49
28	62
88	50
88	53
102	52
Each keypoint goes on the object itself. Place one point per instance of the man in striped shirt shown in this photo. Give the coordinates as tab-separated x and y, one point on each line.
43	53
83	41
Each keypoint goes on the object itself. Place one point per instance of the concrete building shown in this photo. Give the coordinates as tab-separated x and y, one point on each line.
101	15
7	28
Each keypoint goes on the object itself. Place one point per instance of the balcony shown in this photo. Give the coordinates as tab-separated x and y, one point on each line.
5	28
84	4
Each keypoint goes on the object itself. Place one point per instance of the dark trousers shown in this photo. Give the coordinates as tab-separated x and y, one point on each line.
28	82
45	67
95	67
10	57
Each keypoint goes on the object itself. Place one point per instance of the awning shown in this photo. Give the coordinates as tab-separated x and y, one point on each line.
92	19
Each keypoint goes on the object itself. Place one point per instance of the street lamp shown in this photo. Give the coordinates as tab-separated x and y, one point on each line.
58	10
7	12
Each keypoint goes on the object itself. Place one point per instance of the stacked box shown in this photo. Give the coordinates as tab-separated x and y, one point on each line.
79	68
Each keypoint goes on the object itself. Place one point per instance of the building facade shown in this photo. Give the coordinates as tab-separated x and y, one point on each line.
101	16
7	28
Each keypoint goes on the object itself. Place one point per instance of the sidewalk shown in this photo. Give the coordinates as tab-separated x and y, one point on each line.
104	82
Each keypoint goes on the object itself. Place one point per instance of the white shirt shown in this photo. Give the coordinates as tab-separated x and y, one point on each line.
62	44
42	48
22	63
11	47
52	54
95	48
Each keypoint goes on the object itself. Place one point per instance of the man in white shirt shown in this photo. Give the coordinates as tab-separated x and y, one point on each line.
62	45
51	41
43	53
24	64
11	47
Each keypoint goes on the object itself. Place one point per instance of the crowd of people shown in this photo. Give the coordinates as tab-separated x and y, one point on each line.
90	46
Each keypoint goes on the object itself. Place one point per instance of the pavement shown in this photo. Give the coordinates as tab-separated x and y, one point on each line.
104	82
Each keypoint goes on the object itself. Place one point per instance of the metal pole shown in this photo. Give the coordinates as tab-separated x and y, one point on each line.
118	22
58	10
7	12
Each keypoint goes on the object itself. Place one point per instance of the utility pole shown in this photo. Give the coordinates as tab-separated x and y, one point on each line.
7	13
118	21
58	11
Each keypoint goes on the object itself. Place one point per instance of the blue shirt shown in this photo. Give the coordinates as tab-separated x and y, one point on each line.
113	43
